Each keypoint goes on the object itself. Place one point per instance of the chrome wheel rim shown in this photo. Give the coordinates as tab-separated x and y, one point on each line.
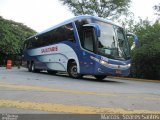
74	71
32	67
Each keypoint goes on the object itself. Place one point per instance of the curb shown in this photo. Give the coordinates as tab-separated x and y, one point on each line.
135	79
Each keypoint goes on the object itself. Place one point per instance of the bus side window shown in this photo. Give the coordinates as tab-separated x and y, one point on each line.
69	33
29	44
88	39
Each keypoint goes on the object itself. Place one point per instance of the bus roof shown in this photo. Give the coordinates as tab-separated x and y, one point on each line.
75	19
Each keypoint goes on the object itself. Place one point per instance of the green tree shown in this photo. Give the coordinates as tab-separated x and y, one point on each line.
128	22
157	9
12	35
101	8
146	56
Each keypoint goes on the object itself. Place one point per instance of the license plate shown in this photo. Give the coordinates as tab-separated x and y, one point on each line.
118	72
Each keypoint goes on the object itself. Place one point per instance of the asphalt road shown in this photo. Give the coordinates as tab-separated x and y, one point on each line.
25	92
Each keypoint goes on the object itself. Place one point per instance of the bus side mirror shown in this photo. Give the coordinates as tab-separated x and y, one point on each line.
96	27
135	40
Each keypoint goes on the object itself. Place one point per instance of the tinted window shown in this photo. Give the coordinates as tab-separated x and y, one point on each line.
25	44
30	44
69	33
63	33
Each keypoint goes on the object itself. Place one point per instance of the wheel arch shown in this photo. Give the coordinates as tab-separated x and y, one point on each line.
70	61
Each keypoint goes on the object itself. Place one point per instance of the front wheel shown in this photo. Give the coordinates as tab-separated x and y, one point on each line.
100	77
72	71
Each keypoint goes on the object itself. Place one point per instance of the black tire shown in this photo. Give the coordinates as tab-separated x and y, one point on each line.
30	67
34	68
52	72
72	71
100	77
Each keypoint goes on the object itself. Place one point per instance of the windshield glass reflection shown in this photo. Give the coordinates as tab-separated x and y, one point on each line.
112	42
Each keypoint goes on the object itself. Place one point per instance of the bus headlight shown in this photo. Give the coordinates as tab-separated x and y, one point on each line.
129	65
103	62
125	66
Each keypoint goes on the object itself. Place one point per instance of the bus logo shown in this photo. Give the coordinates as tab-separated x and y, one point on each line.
49	49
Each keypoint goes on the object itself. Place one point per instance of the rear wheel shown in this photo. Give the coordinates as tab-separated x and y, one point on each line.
35	70
30	66
72	71
100	77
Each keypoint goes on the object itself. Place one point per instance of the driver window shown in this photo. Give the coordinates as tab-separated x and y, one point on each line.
88	40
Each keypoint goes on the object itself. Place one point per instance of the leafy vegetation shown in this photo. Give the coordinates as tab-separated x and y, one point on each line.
146	56
101	8
157	8
12	35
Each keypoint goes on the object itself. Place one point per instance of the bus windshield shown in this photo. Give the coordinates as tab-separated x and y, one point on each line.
113	42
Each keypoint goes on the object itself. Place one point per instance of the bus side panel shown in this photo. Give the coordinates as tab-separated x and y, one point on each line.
54	56
55	61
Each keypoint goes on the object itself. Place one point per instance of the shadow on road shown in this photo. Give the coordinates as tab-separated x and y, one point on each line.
84	78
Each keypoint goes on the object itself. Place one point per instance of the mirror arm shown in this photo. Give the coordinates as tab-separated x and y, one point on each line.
135	40
134	36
